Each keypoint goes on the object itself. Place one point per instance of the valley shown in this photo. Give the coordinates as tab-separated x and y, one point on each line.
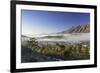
74	44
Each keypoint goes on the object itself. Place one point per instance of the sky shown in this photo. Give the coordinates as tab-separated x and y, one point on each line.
39	22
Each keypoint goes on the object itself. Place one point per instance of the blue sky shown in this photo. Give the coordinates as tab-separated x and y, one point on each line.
38	22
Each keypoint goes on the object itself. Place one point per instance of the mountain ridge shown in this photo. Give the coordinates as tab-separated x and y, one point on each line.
78	29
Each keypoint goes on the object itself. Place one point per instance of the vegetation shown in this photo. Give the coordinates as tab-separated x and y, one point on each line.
66	52
53	37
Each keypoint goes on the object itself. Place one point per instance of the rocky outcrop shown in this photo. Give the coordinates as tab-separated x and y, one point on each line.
27	55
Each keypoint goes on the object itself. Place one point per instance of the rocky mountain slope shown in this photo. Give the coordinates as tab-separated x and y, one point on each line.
78	29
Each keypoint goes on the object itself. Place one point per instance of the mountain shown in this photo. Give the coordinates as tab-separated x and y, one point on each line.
78	29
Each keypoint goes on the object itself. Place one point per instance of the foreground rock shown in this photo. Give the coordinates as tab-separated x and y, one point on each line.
27	55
